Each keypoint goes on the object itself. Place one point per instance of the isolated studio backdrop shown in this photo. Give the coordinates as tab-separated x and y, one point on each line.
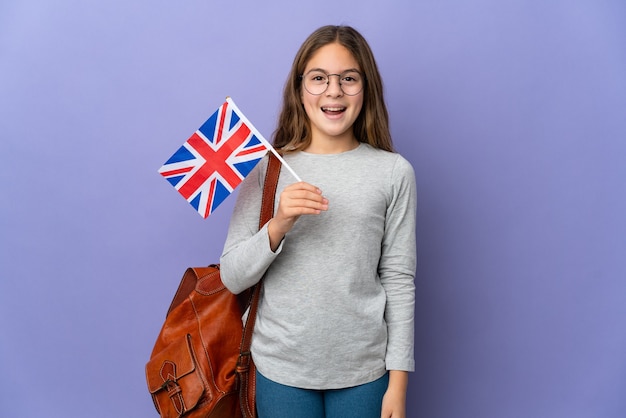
513	114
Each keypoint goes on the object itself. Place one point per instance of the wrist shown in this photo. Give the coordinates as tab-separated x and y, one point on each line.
275	234
398	380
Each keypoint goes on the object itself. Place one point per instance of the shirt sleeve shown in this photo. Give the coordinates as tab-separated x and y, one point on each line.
397	267
247	253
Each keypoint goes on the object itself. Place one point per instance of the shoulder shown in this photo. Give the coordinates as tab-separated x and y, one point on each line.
396	163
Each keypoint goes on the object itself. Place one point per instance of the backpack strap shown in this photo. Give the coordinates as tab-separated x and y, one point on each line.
269	189
245	367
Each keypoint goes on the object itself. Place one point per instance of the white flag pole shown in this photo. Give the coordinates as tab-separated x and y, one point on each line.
261	138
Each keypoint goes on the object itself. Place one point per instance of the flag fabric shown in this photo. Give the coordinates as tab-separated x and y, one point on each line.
208	167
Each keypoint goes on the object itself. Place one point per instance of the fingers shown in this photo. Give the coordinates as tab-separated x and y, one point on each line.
296	200
302	199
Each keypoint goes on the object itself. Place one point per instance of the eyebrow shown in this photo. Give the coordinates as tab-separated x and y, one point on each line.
326	72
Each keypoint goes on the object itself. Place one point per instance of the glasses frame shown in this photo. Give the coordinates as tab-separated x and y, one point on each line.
301	77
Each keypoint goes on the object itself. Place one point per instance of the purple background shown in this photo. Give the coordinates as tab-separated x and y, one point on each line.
513	114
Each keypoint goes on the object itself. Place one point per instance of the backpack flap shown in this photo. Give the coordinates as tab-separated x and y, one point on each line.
174	379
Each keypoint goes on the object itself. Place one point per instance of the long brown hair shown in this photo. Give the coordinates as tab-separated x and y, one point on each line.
372	124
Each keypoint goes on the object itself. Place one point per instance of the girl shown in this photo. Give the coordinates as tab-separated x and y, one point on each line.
334	329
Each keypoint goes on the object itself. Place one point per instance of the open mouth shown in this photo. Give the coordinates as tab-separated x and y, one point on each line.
333	110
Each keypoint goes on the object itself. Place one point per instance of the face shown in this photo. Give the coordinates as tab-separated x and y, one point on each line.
332	113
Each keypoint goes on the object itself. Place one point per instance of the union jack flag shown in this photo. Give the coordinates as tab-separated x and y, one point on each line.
215	159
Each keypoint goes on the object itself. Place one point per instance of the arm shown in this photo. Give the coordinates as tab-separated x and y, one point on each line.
246	255
248	252
397	272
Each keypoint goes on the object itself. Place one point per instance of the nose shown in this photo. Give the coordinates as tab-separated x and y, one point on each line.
334	87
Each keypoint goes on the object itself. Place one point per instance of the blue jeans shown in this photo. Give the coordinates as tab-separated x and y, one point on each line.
274	400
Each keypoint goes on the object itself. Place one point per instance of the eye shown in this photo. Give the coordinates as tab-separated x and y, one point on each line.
317	77
350	78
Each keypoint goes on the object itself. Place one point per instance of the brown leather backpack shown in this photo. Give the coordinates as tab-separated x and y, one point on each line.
201	365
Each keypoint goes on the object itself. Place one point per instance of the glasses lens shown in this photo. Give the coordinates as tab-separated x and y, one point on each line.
315	82
351	83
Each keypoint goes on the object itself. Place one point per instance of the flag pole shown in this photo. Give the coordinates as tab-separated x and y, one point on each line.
261	138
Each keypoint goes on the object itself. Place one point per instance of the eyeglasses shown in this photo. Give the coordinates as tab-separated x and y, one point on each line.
316	82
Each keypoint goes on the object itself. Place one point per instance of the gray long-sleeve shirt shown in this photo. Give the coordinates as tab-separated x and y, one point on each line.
337	306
